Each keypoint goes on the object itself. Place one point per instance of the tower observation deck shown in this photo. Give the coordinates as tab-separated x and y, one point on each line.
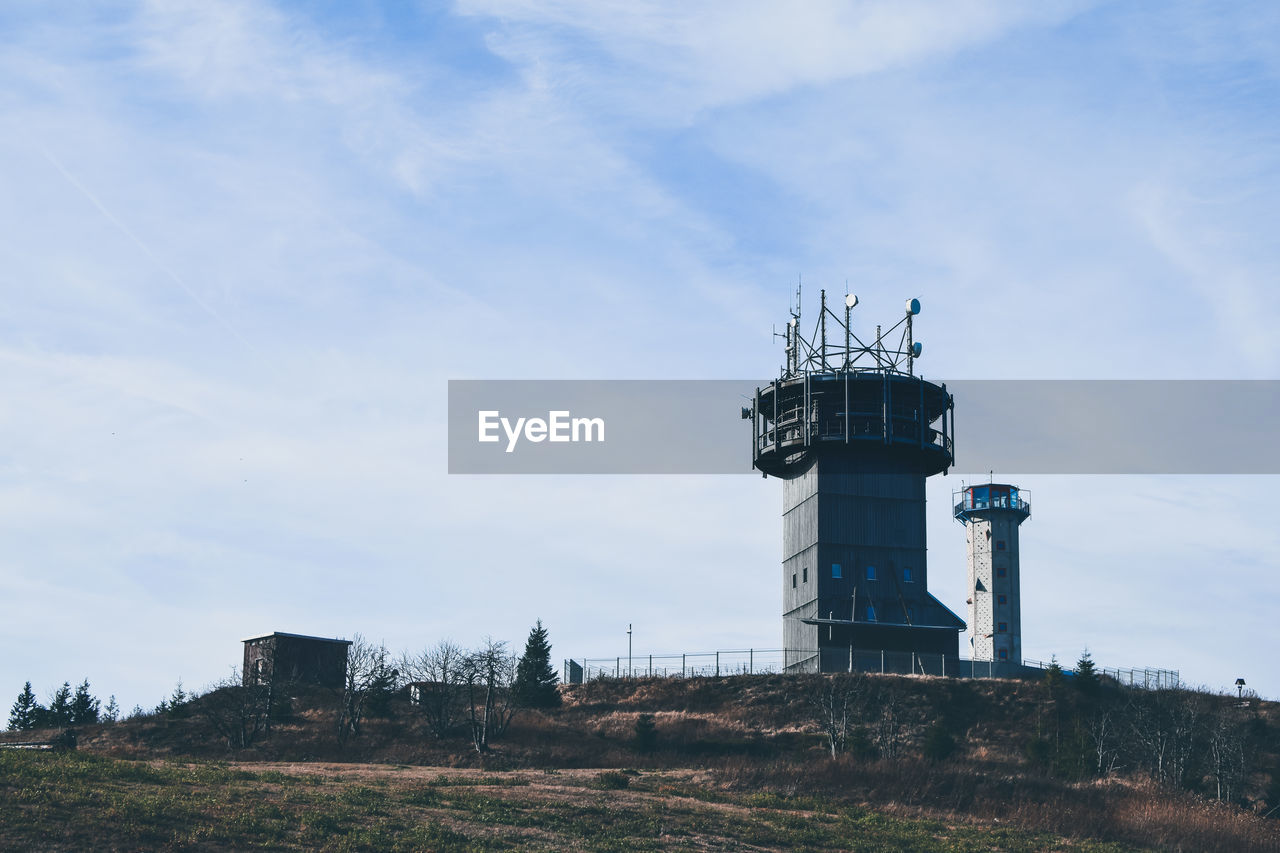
853	431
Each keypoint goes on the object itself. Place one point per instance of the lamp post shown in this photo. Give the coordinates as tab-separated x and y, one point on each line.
629	650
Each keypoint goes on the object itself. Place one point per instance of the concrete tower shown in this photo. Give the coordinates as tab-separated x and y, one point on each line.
850	429
991	515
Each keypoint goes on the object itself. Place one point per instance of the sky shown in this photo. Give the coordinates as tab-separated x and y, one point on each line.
244	246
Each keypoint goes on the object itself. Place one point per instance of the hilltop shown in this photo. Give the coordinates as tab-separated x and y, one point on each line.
967	755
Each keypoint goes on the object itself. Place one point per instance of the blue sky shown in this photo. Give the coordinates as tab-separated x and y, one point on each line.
244	246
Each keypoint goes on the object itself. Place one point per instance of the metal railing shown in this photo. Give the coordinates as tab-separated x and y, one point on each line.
829	659
1148	678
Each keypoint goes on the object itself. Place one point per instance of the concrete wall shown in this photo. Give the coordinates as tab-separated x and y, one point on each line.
984	530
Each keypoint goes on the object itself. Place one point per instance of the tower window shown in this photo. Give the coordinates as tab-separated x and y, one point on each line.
1000	571
835	570
906	575
1002	599
793	580
1004	654
871	573
805	574
1002	627
871	613
999	544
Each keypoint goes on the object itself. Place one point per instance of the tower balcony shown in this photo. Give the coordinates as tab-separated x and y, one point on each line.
991	497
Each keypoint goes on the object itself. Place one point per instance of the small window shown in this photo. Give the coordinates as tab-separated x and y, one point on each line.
1004	654
911	615
999	544
1000	571
835	570
1002	599
906	575
871	613
793	580
871	573
805	574
1002	628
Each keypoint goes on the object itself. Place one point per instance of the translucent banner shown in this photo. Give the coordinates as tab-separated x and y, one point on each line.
1010	426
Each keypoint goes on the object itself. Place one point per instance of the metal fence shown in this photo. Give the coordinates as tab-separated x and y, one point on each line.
1147	678
764	661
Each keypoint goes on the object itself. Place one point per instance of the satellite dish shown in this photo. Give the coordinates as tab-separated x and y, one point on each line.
916	349
913	306
791	322
850	300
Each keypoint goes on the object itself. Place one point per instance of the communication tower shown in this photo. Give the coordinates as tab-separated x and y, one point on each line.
853	432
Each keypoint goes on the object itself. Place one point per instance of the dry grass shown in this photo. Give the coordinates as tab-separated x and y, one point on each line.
747	742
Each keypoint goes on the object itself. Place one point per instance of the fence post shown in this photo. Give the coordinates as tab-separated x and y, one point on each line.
717	664
651	666
617	667
882	661
682	664
751	661
944	665
913	663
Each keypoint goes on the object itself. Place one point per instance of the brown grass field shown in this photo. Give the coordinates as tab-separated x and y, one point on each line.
739	765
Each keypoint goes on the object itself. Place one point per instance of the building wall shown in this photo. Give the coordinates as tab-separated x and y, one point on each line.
840	512
280	658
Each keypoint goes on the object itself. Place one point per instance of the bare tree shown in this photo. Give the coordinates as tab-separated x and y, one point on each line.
1166	729
835	702
1228	753
1103	737
488	674
368	669
889	735
237	711
438	673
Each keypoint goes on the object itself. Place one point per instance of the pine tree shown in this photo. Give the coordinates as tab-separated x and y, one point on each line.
535	684
60	706
26	712
176	706
646	734
1053	676
111	713
1086	674
84	706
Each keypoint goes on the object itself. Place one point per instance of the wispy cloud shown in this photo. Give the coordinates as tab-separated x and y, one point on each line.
379	198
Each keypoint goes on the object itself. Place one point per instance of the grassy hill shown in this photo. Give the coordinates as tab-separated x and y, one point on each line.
740	762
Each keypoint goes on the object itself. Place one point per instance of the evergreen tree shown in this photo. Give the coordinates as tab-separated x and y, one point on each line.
1086	674
646	734
111	713
26	712
938	742
60	706
84	706
382	688
535	684
176	706
1054	677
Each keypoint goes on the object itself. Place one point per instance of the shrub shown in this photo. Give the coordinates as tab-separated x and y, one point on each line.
646	734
